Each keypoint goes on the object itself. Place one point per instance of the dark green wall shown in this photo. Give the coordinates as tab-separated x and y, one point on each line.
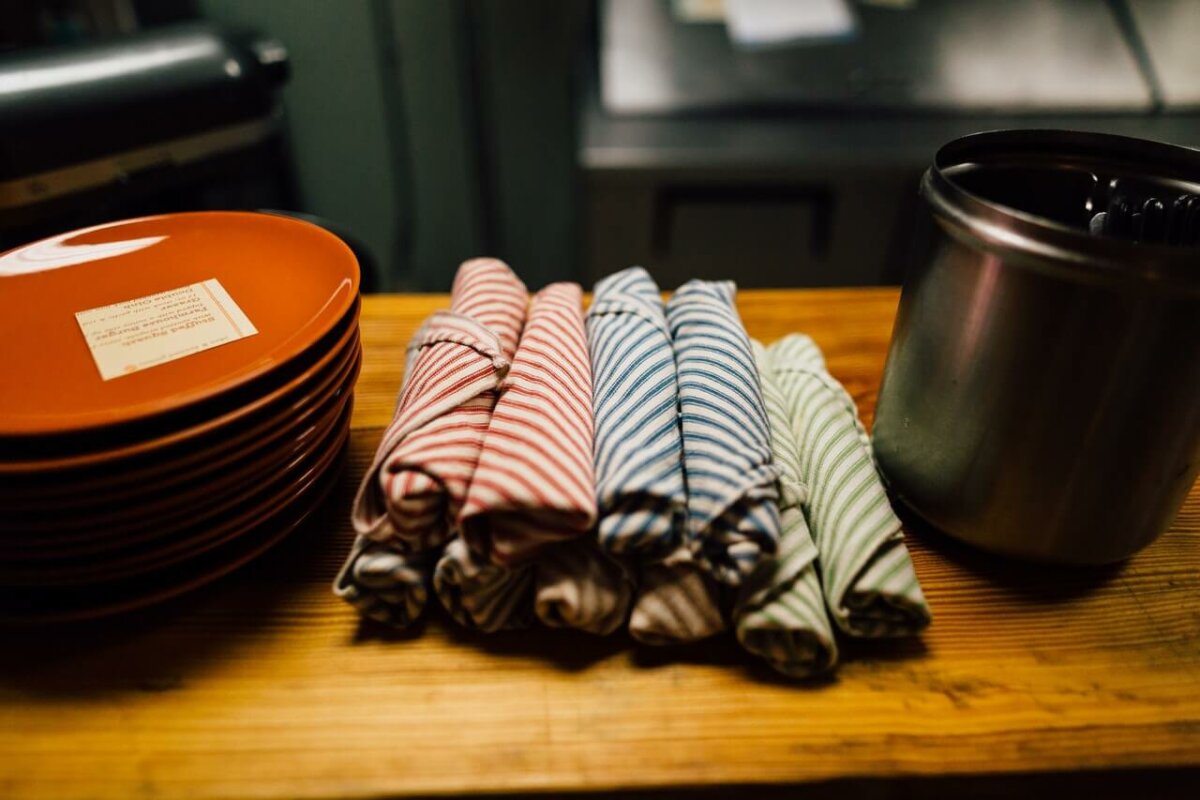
434	130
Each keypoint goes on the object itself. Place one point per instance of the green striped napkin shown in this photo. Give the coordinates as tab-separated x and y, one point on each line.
780	613
870	586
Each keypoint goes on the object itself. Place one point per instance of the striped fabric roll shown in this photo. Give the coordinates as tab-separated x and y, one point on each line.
733	512
870	586
534	484
639	453
576	585
481	595
414	491
384	585
677	602
780	614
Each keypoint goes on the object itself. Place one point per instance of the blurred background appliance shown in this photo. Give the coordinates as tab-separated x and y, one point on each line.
178	117
575	137
112	119
798	164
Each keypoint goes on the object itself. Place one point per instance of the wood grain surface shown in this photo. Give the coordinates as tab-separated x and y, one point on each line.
265	685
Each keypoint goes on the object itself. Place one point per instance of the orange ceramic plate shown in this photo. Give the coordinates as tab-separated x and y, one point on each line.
54	495
294	282
144	521
179	525
263	502
53	605
113	458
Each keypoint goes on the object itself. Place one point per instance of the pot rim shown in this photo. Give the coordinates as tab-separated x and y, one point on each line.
1052	246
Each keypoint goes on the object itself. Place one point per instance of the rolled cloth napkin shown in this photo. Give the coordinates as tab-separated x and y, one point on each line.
870	586
780	613
382	582
384	585
577	585
638	453
677	602
639	460
413	492
733	512
534	484
481	595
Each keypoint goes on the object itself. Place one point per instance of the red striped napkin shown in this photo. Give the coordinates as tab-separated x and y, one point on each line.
480	595
534	484
414	491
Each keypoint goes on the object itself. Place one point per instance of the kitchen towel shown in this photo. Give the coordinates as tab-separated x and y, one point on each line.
733	512
780	614
379	580
677	602
481	595
383	584
534	484
870	586
639	453
416	487
577	585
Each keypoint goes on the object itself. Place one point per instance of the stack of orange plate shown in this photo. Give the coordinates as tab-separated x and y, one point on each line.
174	394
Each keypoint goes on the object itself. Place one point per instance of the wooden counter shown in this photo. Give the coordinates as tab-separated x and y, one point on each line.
265	685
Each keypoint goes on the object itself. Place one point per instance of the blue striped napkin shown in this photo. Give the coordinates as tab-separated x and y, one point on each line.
635	399
870	586
676	603
733	512
780	614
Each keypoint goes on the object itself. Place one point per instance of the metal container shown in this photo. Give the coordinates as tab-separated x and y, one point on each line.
1042	391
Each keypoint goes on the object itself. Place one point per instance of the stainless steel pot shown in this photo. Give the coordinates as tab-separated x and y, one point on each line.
1042	392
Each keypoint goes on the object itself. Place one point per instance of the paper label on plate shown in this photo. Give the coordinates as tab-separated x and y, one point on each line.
138	334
